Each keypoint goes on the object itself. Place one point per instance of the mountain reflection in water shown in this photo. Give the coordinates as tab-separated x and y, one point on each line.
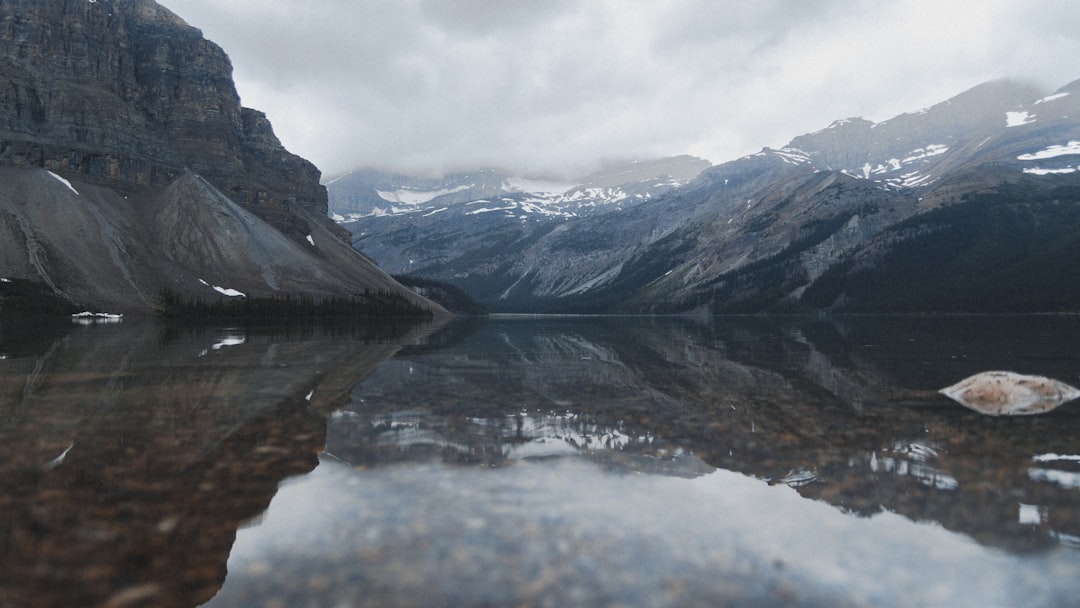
540	461
130	453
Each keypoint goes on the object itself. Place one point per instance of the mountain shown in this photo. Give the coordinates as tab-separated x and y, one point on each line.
481	217
964	206
129	167
369	192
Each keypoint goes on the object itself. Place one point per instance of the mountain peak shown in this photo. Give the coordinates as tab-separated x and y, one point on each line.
152	12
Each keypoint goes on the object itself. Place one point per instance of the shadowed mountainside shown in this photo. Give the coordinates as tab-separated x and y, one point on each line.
160	178
963	206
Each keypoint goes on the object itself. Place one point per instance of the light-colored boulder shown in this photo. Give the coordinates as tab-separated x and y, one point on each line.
1000	393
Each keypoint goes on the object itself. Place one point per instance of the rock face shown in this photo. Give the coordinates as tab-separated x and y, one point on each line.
130	167
126	94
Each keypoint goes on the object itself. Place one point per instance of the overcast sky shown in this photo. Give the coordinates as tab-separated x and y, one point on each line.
559	86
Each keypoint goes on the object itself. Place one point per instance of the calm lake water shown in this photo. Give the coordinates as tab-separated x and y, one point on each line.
535	462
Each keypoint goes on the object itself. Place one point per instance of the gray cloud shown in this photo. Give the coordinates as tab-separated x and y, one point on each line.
560	86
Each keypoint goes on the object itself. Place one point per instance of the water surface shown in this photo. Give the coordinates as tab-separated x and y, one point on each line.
536	461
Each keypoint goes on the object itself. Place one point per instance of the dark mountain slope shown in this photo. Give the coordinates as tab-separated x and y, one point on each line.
130	167
789	229
1015	249
107	251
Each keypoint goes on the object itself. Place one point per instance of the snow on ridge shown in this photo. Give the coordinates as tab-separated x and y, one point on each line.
1073	147
489	209
537	186
64	181
893	165
1041	171
1018	119
1049	98
408	196
792	156
534	197
913	179
388	212
925	152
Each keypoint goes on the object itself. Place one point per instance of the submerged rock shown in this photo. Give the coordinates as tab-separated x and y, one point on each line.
1010	394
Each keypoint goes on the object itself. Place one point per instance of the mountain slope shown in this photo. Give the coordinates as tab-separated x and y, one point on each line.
367	192
103	250
759	233
129	166
1015	249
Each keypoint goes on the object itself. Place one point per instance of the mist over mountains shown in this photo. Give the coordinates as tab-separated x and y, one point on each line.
965	206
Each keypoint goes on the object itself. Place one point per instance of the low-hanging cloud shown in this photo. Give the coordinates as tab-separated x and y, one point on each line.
558	87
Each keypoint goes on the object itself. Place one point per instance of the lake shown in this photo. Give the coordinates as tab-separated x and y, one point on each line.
535	461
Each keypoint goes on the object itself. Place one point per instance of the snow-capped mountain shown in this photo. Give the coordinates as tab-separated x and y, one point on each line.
995	121
929	210
366	193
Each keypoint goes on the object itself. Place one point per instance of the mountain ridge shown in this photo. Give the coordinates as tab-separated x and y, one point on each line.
755	234
375	192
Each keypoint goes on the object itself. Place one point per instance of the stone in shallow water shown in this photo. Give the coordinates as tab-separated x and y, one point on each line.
1010	394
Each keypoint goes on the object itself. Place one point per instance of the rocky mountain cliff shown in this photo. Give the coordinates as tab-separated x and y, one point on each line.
163	180
928	211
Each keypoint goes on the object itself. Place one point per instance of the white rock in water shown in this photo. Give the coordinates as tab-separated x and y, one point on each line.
1010	394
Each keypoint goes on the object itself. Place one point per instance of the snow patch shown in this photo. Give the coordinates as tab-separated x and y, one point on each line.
232	293
1041	171
1018	119
1051	98
537	186
792	156
1073	147
924	153
408	196
489	209
64	181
